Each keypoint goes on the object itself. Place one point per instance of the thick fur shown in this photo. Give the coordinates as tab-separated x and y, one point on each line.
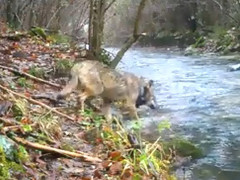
92	78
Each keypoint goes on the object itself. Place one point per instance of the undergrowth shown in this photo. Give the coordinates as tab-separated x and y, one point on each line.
136	156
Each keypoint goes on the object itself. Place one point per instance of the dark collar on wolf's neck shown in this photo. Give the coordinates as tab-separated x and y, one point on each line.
140	99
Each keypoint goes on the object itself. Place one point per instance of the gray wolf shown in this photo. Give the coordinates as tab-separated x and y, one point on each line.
92	78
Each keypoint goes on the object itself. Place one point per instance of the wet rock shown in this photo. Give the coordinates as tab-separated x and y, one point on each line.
184	148
191	51
235	67
4	107
8	147
181	161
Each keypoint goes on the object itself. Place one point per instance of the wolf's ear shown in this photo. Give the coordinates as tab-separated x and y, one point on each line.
150	83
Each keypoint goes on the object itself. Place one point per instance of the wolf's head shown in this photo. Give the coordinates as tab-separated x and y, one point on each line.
146	95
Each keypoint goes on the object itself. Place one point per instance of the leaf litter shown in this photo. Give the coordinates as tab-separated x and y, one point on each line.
85	147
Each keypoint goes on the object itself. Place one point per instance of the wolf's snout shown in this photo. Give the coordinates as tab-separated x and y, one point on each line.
153	104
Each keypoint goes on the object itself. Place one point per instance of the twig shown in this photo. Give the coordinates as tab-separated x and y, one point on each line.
109	5
15	125
82	155
12	128
225	12
53	16
8	121
37	102
49	97
29	76
19	20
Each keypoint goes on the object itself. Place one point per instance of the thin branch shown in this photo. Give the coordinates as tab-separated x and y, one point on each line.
138	17
14	128
109	5
19	20
9	121
131	40
82	155
37	102
53	16
216	2
29	76
225	12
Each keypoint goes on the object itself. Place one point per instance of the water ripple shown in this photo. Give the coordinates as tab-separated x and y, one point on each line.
202	101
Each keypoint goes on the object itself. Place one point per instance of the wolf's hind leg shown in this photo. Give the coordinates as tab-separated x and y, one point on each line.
106	110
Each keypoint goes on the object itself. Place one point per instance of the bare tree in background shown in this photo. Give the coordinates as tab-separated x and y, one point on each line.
131	40
67	16
98	9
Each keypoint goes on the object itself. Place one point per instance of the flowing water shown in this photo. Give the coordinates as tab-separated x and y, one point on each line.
202	101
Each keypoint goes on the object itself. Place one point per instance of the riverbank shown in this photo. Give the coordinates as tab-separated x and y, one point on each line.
216	41
41	138
199	97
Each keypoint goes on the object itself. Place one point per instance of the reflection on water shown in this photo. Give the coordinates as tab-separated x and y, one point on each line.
202	101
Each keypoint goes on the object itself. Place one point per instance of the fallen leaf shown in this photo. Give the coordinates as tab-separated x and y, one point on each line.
15	45
26	120
115	155
40	162
6	51
99	140
127	175
106	164
67	162
19	54
80	135
97	174
27	94
86	178
33	55
116	168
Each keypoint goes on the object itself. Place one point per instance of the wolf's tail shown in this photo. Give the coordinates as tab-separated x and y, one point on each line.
72	84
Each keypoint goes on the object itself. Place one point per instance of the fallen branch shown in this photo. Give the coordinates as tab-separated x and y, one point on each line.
82	155
37	102
14	37
8	121
14	128
29	76
49	97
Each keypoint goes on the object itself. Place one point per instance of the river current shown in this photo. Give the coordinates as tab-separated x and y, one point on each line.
201	99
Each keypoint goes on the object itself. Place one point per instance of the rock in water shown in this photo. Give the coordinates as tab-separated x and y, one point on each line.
235	67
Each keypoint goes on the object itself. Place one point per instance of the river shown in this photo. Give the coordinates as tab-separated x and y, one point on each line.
201	99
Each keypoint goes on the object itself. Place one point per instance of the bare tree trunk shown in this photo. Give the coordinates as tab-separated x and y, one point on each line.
32	18
97	26
226	13
135	36
90	25
12	13
97	11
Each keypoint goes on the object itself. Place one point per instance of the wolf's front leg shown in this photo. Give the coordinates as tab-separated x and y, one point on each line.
132	110
133	113
81	99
